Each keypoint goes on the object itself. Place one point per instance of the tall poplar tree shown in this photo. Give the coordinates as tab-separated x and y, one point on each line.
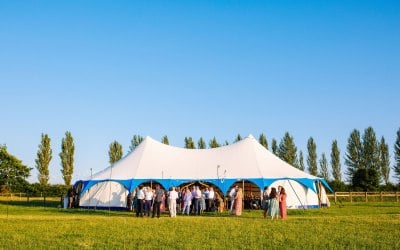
353	157
189	143
115	152
370	159
135	141
67	157
312	157
238	138
274	146
335	162
370	151
287	150
301	161
201	144
362	159
44	156
396	166
323	163
384	160
263	141
213	143
165	140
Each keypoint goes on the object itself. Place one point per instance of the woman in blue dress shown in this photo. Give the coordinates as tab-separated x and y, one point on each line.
273	209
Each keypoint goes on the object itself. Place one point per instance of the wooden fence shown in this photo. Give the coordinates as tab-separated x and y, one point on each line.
26	199
364	196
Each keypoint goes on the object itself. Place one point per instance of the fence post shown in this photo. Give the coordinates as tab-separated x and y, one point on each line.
351	198
381	196
397	197
44	201
335	197
366	197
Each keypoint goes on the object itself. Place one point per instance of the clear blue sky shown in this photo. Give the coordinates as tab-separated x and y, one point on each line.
106	70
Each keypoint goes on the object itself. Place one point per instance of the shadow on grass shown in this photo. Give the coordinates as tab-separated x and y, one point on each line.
54	207
31	203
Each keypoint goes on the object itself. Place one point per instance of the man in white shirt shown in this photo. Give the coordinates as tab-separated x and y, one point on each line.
139	202
173	195
148	198
211	197
206	194
197	196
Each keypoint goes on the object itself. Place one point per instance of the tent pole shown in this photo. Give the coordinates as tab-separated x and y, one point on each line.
296	195
243	196
319	193
90	195
109	196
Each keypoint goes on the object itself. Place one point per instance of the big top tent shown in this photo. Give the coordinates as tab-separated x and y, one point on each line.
222	167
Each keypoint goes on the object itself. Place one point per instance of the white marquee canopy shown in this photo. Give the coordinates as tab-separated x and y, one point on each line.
223	166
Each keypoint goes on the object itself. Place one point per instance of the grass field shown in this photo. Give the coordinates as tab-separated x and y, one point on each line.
348	226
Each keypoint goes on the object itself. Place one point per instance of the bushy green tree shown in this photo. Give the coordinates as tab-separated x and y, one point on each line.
263	140
365	179
335	162
287	150
44	156
165	140
12	172
201	144
312	157
189	143
135	141
384	160
396	166
323	163
67	157
115	152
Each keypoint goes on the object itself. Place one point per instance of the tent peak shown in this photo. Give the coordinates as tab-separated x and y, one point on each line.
250	136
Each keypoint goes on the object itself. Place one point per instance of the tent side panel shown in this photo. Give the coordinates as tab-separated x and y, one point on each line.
105	194
298	196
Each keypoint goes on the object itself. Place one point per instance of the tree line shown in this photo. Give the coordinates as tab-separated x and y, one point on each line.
367	159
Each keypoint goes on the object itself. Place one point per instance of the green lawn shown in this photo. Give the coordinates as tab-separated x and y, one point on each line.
349	226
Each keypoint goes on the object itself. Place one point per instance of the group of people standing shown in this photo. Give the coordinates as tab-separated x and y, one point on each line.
274	202
73	198
146	201
196	201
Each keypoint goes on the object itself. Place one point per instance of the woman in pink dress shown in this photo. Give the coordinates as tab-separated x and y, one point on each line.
282	203
238	202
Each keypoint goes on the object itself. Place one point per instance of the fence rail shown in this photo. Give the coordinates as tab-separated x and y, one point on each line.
365	196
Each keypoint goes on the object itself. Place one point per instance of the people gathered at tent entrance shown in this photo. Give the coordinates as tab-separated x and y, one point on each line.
194	200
